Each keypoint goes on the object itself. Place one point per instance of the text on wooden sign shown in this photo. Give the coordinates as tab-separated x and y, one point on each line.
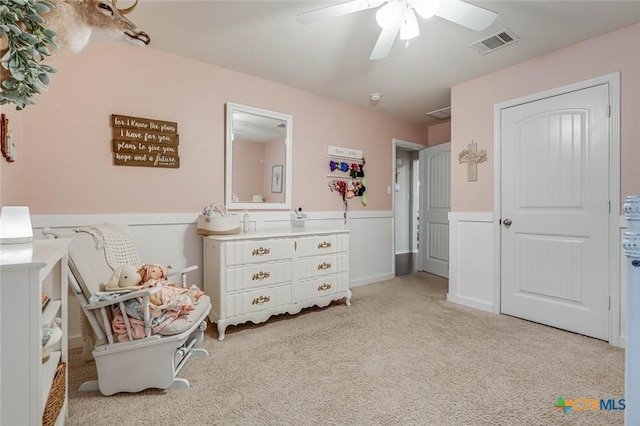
143	148
144	124
144	136
146	160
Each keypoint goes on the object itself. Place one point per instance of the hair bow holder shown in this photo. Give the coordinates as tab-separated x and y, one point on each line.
351	183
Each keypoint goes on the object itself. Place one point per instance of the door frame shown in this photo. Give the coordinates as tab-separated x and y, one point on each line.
414	147
613	80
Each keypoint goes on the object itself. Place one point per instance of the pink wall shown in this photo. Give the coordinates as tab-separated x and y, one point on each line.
249	178
472	105
439	133
65	161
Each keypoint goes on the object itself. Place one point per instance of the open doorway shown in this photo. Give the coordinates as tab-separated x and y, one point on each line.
405	195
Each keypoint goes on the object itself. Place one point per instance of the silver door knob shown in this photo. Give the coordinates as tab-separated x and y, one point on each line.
507	222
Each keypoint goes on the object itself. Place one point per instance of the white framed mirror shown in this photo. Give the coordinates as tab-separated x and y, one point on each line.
258	158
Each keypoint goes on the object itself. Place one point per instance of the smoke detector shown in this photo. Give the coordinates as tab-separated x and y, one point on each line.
375	97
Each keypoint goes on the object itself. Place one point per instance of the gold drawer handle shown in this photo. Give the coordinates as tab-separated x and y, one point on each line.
324	245
260	300
323	287
260	251
324	265
260	276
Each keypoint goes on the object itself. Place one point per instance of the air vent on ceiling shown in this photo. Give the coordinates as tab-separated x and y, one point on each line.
440	114
496	41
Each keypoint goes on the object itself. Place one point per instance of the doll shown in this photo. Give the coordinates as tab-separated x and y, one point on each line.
171	296
125	277
152	271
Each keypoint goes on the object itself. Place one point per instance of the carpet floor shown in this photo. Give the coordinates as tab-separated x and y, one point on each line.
400	355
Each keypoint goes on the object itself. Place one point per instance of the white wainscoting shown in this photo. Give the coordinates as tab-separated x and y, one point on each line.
471	262
472	280
172	239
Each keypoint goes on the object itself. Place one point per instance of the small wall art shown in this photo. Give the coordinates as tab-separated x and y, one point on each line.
276	178
472	157
6	146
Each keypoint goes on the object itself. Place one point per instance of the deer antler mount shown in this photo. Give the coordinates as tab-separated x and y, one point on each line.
28	28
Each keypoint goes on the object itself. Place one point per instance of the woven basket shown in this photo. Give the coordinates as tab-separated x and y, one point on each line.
56	396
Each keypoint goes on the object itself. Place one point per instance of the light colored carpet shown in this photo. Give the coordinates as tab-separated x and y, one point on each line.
400	355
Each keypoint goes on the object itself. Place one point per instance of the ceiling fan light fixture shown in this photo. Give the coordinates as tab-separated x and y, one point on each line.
409	28
388	15
399	16
426	8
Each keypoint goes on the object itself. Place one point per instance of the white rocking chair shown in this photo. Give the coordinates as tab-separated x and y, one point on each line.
134	365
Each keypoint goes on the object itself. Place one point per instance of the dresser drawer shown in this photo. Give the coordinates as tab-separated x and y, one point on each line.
254	251
259	275
257	300
322	265
317	245
319	287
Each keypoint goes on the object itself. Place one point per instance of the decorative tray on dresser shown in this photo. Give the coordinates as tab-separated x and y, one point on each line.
252	276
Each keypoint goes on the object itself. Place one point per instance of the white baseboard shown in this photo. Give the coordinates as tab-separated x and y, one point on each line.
403	252
371	280
472	303
75	341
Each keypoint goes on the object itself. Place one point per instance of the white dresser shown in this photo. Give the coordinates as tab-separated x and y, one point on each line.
27	271
252	276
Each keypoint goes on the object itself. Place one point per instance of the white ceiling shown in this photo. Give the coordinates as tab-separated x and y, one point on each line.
331	58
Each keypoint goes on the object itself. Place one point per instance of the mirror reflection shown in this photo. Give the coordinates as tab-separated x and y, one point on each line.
258	152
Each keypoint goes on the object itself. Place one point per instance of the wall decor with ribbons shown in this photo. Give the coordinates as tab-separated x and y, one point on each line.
346	175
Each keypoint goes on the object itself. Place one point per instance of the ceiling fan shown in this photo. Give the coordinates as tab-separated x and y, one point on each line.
399	16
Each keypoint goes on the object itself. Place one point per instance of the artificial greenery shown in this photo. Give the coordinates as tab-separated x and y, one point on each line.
22	27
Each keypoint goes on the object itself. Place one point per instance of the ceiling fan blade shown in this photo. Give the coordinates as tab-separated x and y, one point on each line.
337	10
465	14
385	42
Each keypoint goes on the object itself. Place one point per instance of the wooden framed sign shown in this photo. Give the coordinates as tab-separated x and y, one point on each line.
144	142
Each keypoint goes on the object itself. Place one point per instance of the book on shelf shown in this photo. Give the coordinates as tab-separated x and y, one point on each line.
45	300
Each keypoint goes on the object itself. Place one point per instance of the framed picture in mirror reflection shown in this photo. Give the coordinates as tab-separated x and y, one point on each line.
276	178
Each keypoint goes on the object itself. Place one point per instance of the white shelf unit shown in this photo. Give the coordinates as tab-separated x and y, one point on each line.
26	271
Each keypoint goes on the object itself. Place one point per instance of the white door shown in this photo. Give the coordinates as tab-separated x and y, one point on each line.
554	213
435	191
